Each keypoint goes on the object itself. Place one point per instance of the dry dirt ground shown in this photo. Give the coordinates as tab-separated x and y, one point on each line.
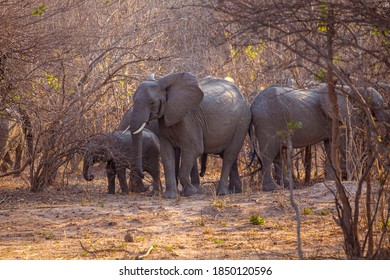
80	221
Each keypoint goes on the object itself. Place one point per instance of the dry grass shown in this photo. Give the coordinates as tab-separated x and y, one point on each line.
81	221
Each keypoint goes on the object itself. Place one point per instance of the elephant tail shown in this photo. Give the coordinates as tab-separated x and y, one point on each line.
253	152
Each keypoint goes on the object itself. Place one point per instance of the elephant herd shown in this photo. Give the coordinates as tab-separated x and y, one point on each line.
179	118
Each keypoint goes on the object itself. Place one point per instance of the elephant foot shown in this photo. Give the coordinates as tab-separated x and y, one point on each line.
125	190
154	192
140	189
111	190
189	190
151	193
270	187
200	190
287	185
235	190
222	191
170	194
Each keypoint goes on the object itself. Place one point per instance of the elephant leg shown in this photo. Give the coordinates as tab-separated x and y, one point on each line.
188	161
195	179
168	161
154	171
177	164
203	164
227	164
136	183
235	184
121	173
279	178
280	172
329	172
268	182
111	173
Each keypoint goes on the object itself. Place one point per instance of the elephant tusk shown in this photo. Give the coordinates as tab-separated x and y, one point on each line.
127	128
140	129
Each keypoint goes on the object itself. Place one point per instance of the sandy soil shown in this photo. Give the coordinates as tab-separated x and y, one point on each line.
81	221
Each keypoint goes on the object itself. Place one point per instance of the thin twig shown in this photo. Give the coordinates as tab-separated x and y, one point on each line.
86	250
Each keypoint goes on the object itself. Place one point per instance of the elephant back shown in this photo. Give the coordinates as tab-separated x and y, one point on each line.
223	113
222	94
214	87
285	103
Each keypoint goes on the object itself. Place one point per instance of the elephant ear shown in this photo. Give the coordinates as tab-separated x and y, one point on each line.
183	94
342	102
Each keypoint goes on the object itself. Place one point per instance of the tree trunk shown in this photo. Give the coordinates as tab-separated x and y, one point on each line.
351	239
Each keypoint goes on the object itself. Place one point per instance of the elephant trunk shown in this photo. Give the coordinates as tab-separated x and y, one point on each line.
88	169
136	156
137	124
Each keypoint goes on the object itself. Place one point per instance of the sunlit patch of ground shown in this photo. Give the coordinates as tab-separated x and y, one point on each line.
81	221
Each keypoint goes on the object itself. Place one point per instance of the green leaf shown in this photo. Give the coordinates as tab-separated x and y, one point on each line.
233	53
322	28
40	10
281	134
307	211
256	220
293	125
250	51
16	97
320	75
218	240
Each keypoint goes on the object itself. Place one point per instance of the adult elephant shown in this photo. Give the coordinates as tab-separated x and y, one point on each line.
210	116
115	149
153	126
276	106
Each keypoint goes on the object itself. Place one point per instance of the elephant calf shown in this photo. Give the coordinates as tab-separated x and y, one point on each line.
115	149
